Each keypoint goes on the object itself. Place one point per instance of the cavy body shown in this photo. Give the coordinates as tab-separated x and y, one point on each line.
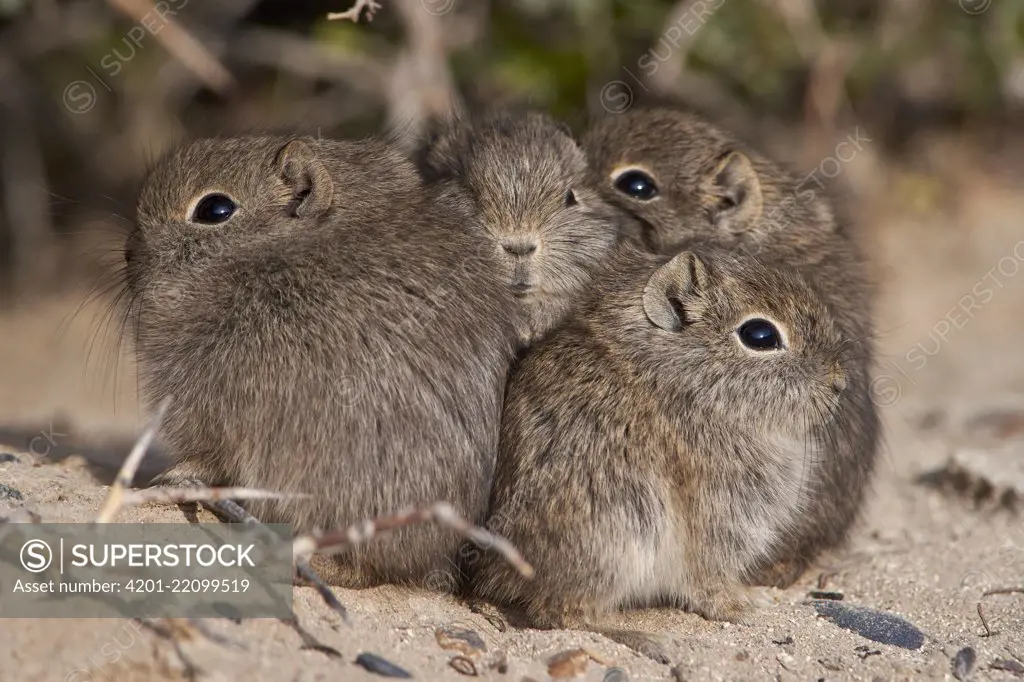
525	181
648	456
324	328
685	179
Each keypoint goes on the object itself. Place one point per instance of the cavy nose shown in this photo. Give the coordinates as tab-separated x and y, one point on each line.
519	246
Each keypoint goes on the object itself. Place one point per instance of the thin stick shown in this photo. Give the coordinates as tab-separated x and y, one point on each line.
441	513
182	45
163	495
131	464
988	593
355	11
236	514
981	615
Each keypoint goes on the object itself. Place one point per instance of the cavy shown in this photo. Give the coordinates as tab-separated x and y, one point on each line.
659	446
684	178
316	317
525	181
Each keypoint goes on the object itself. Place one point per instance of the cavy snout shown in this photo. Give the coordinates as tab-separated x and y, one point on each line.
519	246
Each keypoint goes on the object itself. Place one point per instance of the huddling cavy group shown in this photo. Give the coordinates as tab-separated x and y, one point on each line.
642	356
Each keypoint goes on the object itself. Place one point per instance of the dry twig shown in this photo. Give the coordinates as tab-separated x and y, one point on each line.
441	513
984	622
181	44
421	87
988	593
355	11
163	495
115	498
120	496
1002	590
236	514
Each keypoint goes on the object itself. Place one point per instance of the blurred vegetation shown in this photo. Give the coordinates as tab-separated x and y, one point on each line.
92	90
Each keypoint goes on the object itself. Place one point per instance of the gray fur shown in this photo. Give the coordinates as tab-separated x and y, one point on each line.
647	457
339	336
713	187
513	172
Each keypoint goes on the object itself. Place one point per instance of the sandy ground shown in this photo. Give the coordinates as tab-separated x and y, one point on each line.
923	553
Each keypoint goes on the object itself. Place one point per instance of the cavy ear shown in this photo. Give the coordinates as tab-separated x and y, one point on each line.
566	130
307	177
733	191
436	152
684	275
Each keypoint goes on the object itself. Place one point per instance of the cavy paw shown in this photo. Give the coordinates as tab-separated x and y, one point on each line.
184	474
728	605
335	570
781	574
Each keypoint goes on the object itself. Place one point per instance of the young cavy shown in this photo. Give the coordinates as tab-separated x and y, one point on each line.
685	178
660	445
524	180
324	328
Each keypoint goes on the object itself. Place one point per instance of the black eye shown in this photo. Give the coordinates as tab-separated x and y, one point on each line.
570	199
758	334
213	209
637	184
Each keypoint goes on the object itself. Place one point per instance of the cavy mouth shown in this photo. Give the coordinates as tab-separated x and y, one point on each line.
521	289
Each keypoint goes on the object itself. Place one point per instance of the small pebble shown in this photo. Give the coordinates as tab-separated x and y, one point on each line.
463	640
8	493
863	651
785	660
376	664
500	662
788	639
568	663
963	663
615	675
878	626
7	457
464	666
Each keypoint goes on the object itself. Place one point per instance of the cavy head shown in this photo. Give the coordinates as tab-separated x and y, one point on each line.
527	183
674	171
739	340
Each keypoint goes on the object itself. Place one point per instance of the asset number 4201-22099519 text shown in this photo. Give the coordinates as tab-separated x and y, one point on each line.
187	585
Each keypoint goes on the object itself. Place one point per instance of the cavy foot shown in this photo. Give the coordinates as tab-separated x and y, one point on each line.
781	574
182	475
333	570
727	605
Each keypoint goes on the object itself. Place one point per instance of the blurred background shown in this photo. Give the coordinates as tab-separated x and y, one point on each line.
927	93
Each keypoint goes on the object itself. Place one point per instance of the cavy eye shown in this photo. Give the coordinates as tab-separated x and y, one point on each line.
637	184
213	209
759	334
570	199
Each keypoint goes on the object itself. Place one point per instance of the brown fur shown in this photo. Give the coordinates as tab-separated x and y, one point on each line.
518	173
647	456
713	187
337	336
